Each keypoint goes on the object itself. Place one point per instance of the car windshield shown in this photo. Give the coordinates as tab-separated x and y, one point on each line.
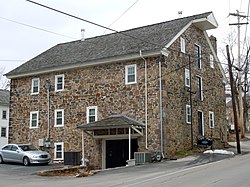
28	147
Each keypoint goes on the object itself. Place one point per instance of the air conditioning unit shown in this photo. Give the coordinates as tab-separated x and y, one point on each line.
142	157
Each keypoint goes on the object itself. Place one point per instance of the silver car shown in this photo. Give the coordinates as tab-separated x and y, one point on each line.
23	153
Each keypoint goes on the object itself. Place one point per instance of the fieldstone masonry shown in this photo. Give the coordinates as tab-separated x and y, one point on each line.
104	86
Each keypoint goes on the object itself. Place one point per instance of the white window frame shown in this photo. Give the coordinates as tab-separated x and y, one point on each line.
4	111
248	116
56	151
211	119
56	117
37	118
198	65
188	114
183	45
201	87
211	59
56	82
187	78
33	86
127	74
88	113
5	132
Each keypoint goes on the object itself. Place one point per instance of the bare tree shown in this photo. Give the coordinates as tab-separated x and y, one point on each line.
4	82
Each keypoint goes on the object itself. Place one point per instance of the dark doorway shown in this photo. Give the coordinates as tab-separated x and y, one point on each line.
117	152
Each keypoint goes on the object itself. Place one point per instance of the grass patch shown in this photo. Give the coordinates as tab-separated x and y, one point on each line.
183	153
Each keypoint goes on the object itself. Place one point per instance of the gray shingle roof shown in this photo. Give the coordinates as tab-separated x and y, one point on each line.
115	121
107	46
4	97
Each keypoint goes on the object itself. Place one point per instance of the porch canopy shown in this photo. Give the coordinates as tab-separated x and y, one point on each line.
114	126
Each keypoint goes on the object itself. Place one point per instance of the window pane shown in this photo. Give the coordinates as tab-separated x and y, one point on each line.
59	148
131	70
131	78
91	119
91	112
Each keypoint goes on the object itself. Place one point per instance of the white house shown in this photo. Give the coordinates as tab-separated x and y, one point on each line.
4	116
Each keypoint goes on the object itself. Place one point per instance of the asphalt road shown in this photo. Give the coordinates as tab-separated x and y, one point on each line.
190	171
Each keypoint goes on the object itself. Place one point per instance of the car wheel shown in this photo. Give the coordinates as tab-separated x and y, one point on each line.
26	161
1	159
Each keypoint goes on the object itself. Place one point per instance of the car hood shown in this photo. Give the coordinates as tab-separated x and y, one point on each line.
37	152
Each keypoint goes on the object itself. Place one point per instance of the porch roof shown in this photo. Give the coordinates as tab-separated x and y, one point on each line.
114	121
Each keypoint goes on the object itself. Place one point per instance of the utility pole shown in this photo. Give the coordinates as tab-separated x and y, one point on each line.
233	101
239	73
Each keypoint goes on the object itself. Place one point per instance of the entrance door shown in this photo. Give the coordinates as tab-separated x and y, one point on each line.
117	152
200	123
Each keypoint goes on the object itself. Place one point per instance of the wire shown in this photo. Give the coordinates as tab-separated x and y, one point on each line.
122	14
36	28
90	22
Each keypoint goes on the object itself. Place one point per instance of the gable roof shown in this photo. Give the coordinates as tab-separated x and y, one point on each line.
123	45
4	97
114	121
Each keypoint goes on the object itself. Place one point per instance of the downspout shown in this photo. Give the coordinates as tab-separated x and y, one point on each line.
83	151
161	115
146	101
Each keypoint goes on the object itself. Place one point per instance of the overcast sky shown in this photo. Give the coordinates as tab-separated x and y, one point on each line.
20	21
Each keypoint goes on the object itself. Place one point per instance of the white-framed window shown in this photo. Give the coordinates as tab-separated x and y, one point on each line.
182	45
34	116
188	114
211	119
59	151
59	83
35	86
130	74
197	56
211	60
199	92
187	78
4	114
3	132
91	114
59	118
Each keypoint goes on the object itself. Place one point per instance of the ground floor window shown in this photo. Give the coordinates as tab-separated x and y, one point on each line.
58	152
3	132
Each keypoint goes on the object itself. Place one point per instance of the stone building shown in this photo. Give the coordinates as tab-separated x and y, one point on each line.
4	116
156	88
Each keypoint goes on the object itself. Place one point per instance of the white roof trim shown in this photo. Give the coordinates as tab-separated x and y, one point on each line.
216	57
90	63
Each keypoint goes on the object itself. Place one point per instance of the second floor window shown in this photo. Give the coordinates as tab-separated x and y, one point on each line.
91	114
35	86
59	82
59	118
4	114
197	56
130	74
199	93
34	119
187	78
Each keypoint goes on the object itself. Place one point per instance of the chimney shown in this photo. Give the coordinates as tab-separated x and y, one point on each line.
82	34
213	42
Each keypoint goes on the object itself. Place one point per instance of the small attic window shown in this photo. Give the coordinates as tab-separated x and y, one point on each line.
211	61
182	45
